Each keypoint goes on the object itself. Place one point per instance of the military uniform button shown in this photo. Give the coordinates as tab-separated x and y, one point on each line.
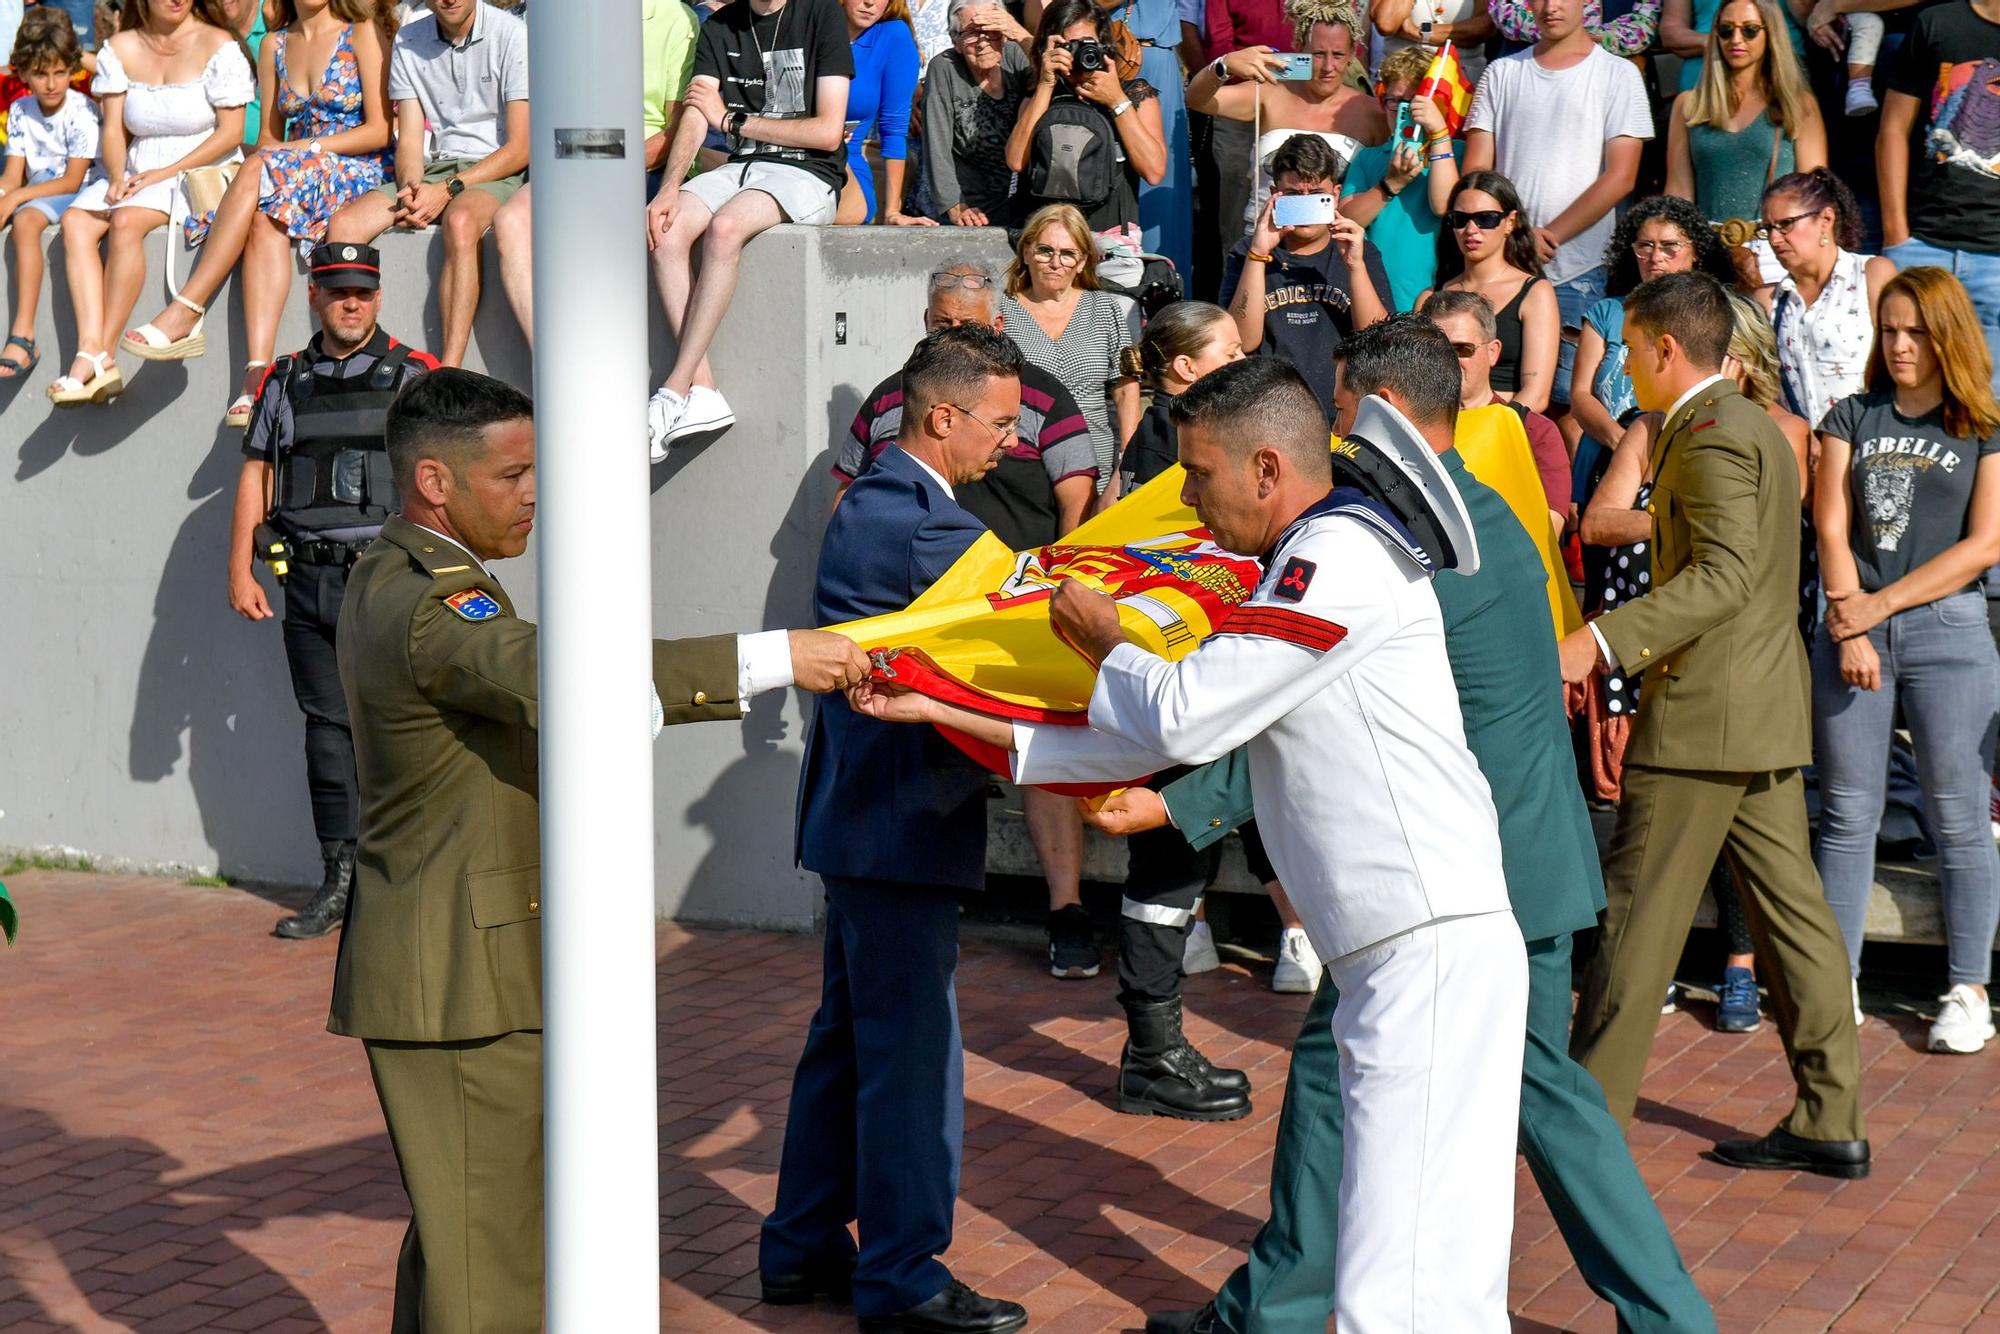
1645	653
1649	507
701	697
534	905
1215	824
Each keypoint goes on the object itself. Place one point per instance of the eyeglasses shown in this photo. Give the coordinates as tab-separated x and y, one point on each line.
944	280
1048	254
976	36
1765	231
1464	350
1664	249
1005	430
1728	32
1486	219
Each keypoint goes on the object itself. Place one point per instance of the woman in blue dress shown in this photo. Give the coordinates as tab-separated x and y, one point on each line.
886	69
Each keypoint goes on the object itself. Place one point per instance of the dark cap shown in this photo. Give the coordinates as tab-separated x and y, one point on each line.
346	266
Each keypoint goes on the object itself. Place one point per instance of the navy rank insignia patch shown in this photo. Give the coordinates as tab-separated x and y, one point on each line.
1292	584
474	604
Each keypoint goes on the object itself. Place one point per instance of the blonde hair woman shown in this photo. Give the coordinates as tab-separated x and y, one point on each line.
1748	120
1069	328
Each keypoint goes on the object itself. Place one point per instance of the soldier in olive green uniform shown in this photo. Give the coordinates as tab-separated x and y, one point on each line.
1724	725
440	968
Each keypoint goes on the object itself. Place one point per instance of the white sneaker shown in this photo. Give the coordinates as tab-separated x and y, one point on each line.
1297	973
1861	98
664	411
707	410
1854	990
1964	1023
1198	954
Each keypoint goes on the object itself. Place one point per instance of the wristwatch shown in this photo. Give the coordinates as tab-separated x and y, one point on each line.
1121	108
313	148
1383	186
454	187
732	124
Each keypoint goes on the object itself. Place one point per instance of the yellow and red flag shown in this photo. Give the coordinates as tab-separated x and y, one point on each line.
1445	83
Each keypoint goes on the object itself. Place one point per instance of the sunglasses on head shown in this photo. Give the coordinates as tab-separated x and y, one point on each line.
1750	32
1486	219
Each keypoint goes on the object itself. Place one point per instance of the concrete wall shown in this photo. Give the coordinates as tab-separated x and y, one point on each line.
144	723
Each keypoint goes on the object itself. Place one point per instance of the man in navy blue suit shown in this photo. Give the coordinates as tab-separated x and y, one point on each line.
894	821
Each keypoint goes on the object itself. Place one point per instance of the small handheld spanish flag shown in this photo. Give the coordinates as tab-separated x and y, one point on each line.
1445	83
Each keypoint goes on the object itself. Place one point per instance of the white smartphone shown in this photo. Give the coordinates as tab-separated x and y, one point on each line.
1303	210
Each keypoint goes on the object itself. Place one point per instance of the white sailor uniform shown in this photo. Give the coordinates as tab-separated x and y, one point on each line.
1382	829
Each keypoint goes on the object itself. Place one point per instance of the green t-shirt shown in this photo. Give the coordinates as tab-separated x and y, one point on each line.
1405	231
667	33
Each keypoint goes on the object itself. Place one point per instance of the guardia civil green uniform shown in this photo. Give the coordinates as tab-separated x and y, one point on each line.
1503	659
440	969
1725	721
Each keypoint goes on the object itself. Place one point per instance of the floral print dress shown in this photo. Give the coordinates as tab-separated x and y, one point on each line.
300	189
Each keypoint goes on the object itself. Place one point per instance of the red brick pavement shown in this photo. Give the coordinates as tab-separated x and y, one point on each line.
183	1147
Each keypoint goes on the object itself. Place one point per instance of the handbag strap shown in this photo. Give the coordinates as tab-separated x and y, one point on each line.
1777	142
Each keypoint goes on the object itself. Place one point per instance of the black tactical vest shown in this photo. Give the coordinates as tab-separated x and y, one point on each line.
336	472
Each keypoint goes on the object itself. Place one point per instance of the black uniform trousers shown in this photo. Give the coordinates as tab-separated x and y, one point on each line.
313	594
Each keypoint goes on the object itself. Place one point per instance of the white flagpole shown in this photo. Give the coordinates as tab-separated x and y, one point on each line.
591	296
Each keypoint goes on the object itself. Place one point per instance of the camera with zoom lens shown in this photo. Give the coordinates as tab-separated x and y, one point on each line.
1087	55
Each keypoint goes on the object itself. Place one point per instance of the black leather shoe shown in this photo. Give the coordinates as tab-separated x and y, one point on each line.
328	908
832	1281
1782	1151
956	1310
1201	1320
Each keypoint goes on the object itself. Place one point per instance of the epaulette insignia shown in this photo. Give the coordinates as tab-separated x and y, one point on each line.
1702	426
449	569
474	604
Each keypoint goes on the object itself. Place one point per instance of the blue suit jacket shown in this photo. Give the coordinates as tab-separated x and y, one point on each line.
888	801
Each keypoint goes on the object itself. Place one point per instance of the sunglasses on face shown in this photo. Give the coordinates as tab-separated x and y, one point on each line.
1464	350
1486	219
1750	32
1664	249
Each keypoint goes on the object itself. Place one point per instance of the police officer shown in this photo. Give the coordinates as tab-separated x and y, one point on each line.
315	488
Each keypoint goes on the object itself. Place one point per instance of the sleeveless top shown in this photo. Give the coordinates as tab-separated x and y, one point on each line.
1628	574
1731	169
1823	348
1507	328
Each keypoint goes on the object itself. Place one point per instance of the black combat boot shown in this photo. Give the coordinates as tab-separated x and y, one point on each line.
328	908
1161	1075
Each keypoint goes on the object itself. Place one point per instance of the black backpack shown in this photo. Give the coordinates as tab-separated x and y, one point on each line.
1074	158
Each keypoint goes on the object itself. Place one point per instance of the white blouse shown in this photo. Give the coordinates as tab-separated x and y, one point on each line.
1823	348
164	120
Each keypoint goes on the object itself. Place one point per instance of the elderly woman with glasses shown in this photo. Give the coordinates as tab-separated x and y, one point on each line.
972	97
1823	309
1065	325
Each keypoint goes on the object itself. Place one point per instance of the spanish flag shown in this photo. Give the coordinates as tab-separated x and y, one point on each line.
1445	83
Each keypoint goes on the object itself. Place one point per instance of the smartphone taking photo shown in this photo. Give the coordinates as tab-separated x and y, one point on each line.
1302	210
1298	66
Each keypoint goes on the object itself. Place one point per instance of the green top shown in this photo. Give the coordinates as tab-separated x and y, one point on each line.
1502	647
253	114
1731	169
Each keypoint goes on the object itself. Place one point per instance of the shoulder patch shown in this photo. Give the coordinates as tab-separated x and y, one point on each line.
474	604
1297	577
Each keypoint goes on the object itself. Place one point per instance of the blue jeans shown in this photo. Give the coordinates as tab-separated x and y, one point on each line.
82	17
1980	274
1940	661
1573	297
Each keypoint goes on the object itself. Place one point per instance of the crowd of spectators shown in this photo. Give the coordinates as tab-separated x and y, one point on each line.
1604	142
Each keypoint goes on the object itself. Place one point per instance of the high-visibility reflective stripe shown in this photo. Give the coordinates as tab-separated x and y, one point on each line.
1159	914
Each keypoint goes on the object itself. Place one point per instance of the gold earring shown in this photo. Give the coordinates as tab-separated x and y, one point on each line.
1822	240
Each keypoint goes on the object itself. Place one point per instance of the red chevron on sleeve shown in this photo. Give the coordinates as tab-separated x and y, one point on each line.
1291	626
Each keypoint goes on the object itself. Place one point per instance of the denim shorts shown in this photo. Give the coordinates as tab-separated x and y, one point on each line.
1573	297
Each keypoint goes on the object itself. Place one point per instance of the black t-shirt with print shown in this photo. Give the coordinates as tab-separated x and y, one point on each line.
1951	65
769	64
1307	307
1909	484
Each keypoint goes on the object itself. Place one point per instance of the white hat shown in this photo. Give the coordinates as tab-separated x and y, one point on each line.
1413	484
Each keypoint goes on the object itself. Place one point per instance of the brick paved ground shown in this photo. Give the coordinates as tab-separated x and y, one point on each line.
182	1146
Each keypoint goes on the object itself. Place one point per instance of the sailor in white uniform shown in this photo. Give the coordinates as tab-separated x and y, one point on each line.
1375	814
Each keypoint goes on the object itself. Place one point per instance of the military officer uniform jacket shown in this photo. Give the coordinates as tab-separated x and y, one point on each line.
1726	687
444	938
